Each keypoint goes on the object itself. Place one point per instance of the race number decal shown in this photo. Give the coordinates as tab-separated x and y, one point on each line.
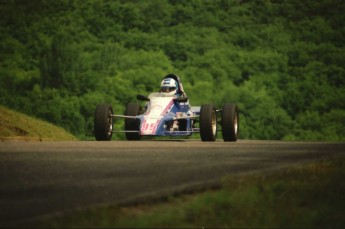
149	128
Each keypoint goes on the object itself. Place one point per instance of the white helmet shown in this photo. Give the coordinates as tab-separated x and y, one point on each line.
169	86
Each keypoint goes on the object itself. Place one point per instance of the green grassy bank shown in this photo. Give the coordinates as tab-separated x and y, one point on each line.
18	126
308	196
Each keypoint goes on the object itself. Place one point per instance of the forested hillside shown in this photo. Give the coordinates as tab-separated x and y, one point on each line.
280	61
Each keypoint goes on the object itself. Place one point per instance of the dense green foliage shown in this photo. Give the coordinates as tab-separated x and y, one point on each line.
281	62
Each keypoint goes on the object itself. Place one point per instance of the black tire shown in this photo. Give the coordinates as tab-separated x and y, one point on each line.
230	122
103	122
132	109
208	123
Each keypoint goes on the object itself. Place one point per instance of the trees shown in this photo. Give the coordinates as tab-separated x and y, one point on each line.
280	61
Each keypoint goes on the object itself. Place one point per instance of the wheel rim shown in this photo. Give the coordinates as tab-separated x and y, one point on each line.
236	124
214	123
110	123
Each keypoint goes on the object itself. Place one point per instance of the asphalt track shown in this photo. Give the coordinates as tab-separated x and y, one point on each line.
40	179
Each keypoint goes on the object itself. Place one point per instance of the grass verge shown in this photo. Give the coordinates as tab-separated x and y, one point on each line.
18	126
307	196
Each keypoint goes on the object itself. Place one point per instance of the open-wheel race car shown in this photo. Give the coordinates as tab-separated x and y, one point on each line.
168	115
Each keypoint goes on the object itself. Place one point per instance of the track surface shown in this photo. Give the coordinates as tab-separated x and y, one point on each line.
45	178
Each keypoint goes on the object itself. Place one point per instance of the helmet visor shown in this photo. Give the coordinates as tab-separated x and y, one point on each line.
167	89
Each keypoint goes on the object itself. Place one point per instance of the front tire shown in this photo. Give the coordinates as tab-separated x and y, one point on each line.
103	122
132	109
230	122
208	123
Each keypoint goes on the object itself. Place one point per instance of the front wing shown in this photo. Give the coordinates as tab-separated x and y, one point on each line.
163	131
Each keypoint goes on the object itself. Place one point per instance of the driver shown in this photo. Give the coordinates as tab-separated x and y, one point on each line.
170	87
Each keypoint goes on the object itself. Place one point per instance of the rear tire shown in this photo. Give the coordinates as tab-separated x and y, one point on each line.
208	123
132	109
230	122
103	122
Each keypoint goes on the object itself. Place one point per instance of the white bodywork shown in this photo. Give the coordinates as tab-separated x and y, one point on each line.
159	106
